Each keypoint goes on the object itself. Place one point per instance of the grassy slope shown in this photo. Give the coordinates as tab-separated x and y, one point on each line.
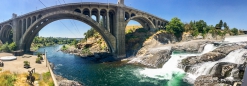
14	79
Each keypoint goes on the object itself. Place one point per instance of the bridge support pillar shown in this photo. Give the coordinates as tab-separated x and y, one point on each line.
120	32
16	31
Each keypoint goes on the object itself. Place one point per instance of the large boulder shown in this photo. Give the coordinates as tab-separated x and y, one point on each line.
68	83
222	69
208	80
211	56
160	38
226	49
151	54
192	46
153	58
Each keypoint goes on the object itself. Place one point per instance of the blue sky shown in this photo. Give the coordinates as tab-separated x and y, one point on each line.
234	12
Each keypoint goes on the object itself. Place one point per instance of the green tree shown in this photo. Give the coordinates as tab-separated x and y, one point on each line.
234	31
212	30
175	26
74	42
89	33
220	24
226	28
201	25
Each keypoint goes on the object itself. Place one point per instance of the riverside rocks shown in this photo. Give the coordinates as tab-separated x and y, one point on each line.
208	80
214	55
222	69
153	59
193	47
151	54
65	82
220	75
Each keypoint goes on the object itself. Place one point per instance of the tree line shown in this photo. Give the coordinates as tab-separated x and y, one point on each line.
176	27
48	41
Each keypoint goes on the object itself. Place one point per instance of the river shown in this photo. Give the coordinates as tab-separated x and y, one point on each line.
92	73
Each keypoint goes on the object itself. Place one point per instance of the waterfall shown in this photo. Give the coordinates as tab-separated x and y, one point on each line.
208	48
170	69
235	56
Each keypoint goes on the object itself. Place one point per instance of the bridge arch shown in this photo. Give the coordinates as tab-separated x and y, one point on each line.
24	26
77	10
28	22
27	38
95	12
6	33
145	22
86	11
33	19
127	15
103	14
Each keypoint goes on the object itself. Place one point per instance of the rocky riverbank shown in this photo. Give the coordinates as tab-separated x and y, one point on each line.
223	72
65	82
225	65
156	56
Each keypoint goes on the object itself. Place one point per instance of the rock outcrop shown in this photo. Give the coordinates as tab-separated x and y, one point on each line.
150	54
222	74
153	58
193	47
65	82
214	55
208	80
222	69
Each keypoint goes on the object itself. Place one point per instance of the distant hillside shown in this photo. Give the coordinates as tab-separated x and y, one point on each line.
133	26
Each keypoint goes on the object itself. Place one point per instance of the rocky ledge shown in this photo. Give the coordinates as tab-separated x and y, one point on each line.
223	74
192	46
219	53
156	57
153	58
65	82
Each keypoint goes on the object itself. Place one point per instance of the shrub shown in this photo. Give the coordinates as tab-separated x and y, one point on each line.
5	47
39	54
41	58
86	51
38	60
12	46
7	79
64	48
26	63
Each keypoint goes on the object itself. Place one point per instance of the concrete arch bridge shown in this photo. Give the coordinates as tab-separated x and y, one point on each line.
115	18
